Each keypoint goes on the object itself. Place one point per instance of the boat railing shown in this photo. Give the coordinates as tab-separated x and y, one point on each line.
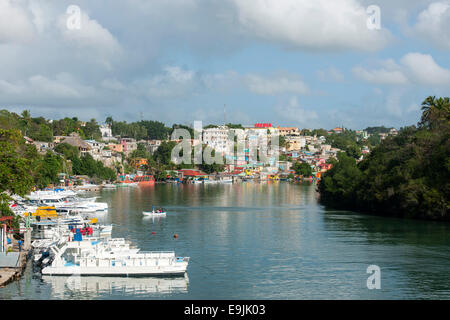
158	254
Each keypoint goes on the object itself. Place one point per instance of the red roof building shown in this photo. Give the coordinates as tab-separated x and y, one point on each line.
263	125
191	173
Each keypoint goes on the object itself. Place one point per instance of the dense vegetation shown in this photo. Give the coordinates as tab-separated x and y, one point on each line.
407	175
40	129
22	167
377	130
147	129
303	169
346	141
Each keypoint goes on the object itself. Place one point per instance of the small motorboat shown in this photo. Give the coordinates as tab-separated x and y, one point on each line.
155	213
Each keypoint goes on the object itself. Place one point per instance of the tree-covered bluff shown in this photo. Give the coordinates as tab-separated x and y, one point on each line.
405	176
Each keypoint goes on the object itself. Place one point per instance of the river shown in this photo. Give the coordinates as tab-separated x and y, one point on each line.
260	241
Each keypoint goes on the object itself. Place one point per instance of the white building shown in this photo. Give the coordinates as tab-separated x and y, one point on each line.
106	132
217	138
96	149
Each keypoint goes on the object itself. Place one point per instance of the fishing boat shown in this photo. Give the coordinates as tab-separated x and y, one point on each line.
153	213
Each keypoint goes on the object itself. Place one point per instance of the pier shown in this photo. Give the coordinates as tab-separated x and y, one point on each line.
11	266
13	259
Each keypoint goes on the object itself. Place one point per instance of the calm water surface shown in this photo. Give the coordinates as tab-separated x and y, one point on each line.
260	241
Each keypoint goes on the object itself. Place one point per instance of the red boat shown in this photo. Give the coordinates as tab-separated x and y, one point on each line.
144	180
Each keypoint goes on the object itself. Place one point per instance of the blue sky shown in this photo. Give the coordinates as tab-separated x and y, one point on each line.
297	63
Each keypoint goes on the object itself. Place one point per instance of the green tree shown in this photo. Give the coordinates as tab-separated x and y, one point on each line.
210	168
48	171
70	152
163	154
302	168
15	169
407	175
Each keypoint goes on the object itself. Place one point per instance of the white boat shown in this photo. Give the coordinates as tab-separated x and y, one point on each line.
154	213
63	228
112	258
127	184
207	181
64	202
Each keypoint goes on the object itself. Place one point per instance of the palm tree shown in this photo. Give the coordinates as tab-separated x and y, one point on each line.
435	111
26	120
427	108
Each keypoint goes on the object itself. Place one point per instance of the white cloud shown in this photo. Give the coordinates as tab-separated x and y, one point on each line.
275	85
37	87
15	23
331	74
173	82
293	112
422	69
381	76
91	35
316	25
222	82
414	68
113	84
433	24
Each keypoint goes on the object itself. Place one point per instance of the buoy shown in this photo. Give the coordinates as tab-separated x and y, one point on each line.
153	232
175	235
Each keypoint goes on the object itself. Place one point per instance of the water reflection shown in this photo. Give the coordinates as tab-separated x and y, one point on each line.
90	287
412	254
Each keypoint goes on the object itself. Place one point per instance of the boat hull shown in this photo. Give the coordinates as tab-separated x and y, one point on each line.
154	214
146	183
115	271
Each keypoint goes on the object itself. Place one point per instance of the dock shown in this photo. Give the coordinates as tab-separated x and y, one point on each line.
12	266
13	259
